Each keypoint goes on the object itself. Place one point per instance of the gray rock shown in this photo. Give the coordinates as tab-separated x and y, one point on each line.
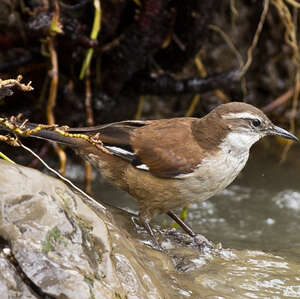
11	285
72	248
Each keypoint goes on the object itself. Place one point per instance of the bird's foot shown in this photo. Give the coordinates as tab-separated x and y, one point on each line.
155	244
196	241
203	243
199	240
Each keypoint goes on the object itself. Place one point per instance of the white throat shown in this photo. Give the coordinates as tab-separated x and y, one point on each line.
240	141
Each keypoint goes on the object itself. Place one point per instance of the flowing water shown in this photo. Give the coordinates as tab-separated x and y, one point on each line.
257	220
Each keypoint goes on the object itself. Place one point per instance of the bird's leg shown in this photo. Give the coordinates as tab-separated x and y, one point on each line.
145	217
146	224
184	226
199	239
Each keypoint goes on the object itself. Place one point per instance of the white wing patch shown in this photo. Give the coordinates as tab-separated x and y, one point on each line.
121	151
183	175
126	154
130	155
188	175
142	166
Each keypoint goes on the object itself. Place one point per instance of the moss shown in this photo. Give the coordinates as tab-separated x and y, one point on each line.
52	236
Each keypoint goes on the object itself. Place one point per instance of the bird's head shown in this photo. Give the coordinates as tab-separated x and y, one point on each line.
246	124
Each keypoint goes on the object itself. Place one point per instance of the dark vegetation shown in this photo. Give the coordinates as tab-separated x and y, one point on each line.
149	58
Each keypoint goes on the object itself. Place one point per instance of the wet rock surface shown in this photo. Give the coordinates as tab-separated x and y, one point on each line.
66	246
11	284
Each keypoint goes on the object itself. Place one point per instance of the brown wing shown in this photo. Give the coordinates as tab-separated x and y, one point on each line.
167	147
116	134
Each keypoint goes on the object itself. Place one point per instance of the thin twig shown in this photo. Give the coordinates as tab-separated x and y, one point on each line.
235	52
290	35
16	82
89	115
52	100
294	3
293	114
94	35
255	39
6	158
193	105
229	43
90	122
233	8
13	124
53	73
54	29
290	29
139	110
280	100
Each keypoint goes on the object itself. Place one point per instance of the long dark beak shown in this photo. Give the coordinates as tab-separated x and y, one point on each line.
283	133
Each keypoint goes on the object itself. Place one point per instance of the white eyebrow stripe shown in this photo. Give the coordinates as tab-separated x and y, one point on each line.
240	115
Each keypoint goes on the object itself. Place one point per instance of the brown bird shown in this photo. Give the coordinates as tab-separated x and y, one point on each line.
169	163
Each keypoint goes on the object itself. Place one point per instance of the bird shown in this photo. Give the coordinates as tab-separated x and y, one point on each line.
169	163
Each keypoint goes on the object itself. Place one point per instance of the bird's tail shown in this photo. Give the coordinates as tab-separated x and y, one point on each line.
46	134
114	134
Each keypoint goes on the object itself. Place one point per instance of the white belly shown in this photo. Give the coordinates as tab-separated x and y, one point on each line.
212	176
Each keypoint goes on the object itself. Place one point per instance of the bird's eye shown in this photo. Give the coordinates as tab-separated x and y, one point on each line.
256	122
